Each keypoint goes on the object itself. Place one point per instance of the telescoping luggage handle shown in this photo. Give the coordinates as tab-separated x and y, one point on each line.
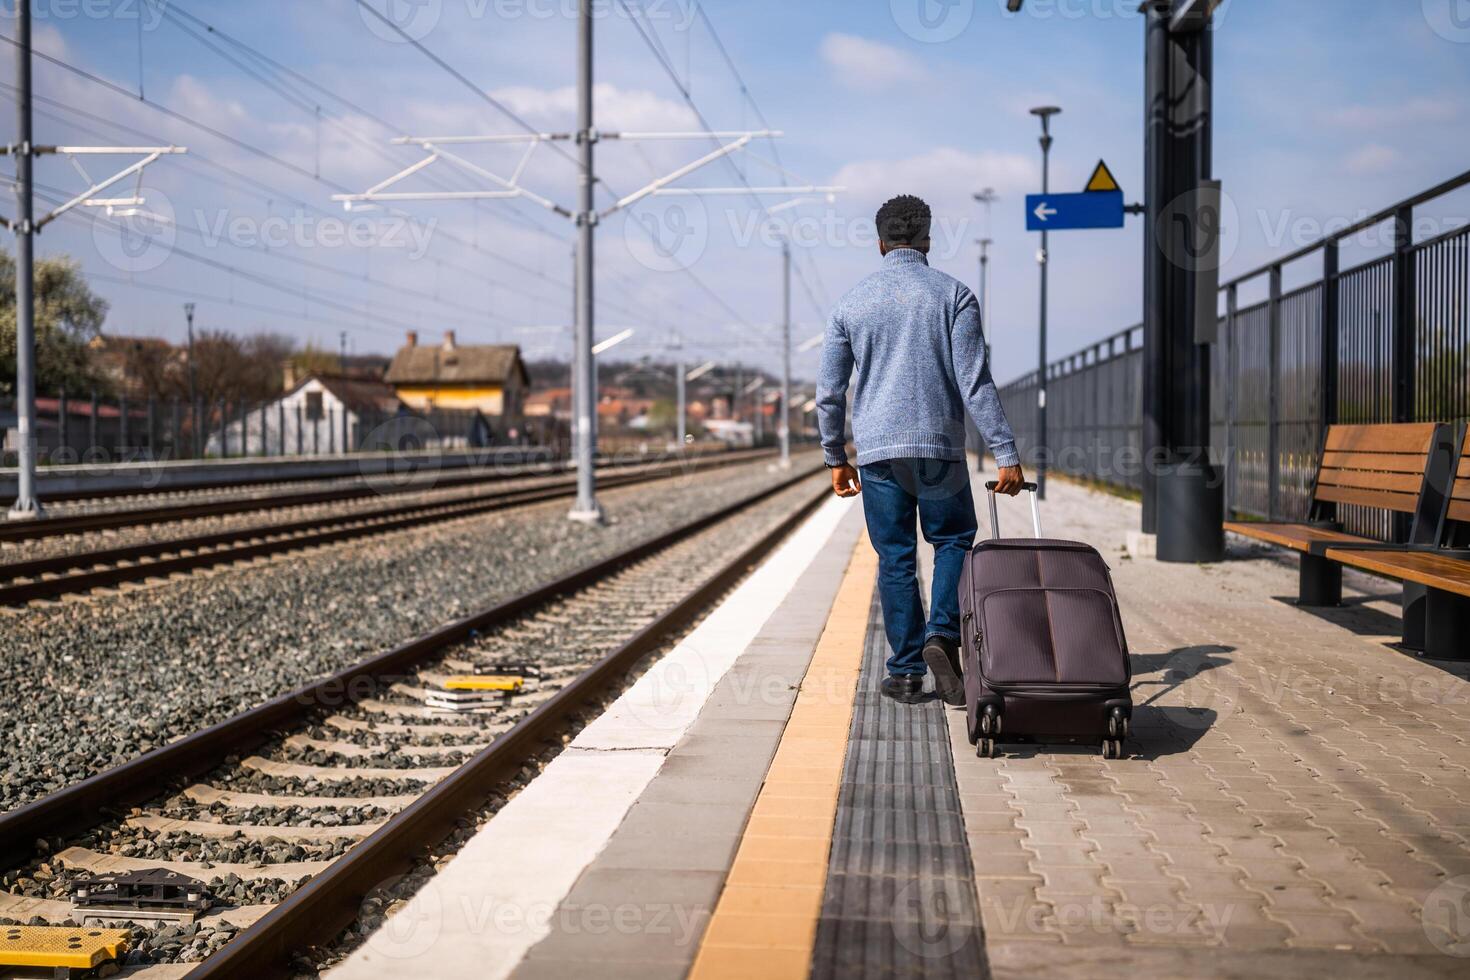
995	517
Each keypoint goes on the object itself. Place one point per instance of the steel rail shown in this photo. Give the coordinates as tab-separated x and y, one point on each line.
316	912
112	519
77	807
150	559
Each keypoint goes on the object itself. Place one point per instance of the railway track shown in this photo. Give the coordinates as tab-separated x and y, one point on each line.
307	803
66	574
249	499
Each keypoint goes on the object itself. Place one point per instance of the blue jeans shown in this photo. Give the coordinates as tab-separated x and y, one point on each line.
938	491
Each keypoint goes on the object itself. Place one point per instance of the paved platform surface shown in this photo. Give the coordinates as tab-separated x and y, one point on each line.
1296	798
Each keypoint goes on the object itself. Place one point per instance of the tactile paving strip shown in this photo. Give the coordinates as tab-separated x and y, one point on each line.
900	894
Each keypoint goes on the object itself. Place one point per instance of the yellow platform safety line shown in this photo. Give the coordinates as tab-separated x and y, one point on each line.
765	923
60	946
484	682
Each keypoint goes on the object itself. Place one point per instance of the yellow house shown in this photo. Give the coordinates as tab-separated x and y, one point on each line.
488	377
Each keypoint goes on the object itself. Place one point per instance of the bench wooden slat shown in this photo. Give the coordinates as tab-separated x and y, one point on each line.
1434	569
1298	537
1404	437
1403	482
1384	462
1404	503
1460	510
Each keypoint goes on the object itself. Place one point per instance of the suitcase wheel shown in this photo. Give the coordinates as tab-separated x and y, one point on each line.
1118	724
985	748
990	720
1112	748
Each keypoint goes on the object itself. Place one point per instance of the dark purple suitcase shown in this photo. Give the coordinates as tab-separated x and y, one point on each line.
1044	651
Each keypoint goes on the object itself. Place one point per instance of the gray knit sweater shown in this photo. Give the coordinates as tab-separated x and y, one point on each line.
913	334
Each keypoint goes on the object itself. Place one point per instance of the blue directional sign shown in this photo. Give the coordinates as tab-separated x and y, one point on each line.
1070	212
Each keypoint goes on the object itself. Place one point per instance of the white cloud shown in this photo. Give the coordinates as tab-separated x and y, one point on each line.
1413	112
1372	160
946	178
861	63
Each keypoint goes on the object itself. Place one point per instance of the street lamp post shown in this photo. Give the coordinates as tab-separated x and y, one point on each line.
193	382
986	197
984	244
1044	113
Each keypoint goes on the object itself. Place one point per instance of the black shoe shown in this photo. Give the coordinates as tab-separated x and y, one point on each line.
904	688
943	657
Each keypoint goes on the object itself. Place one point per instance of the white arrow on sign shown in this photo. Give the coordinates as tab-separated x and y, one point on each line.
1043	212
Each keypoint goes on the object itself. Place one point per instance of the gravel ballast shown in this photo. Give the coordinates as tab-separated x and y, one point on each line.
90	684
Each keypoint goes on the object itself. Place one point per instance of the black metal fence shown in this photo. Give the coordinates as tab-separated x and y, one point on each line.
1387	340
93	430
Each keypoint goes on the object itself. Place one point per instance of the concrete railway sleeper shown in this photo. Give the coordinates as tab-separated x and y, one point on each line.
67	574
292	812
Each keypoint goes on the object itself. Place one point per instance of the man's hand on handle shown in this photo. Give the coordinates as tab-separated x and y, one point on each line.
845	482
1010	480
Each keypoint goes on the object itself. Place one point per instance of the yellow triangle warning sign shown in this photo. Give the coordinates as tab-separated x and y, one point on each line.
1102	179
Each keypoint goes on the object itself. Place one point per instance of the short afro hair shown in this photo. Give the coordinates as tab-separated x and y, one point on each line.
904	220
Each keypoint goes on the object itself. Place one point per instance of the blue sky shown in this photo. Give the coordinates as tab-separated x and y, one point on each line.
1325	109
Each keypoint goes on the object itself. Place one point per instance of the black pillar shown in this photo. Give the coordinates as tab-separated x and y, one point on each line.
1178	244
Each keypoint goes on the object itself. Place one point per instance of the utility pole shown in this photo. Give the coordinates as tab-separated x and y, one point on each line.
1044	113
783	426
342	353
26	505
584	378
984	244
193	381
678	345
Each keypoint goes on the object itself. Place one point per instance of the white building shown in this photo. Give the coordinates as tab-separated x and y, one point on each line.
322	414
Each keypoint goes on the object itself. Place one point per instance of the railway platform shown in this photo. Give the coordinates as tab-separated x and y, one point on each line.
1293	800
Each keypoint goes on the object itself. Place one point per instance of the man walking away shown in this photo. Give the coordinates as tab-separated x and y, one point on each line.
913	334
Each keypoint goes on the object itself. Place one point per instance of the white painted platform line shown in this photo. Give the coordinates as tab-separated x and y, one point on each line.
493	902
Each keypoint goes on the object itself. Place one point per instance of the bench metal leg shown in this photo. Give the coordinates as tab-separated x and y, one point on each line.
1321	582
1447	626
1415	605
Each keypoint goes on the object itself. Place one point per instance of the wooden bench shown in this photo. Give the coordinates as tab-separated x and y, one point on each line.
1443	572
1395	468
